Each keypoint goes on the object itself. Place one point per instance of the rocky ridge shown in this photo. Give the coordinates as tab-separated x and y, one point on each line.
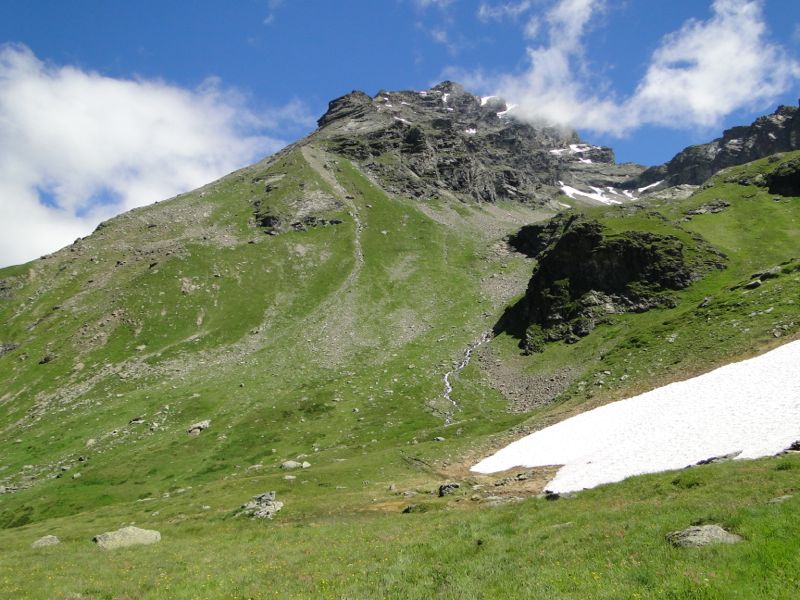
447	143
769	134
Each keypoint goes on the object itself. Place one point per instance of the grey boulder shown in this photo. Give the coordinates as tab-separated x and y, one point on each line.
48	540
127	536
701	535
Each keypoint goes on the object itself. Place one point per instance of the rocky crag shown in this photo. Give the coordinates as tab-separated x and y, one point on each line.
447	143
585	274
770	134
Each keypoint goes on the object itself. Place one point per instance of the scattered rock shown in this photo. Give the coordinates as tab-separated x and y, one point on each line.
305	464
198	427
290	464
48	540
780	499
438	438
448	488
701	535
127	536
719	459
262	506
715	206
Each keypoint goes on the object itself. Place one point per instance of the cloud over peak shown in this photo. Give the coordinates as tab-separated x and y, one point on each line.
696	76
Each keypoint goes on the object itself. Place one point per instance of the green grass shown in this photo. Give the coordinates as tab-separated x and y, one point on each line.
604	543
293	348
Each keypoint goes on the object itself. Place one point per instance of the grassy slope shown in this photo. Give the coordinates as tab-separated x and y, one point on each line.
277	343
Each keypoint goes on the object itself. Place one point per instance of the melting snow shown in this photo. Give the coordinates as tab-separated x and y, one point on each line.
445	97
647	187
471	130
503	113
486	99
596	194
751	407
406	121
587	161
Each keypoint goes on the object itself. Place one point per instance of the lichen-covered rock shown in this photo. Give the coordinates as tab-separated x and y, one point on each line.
701	535
127	536
197	428
262	506
48	540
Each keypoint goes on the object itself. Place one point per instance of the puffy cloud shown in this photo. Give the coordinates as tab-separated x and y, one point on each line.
697	75
77	147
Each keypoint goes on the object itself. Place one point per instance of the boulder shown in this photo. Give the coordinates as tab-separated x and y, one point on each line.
196	428
262	506
127	536
48	540
288	465
447	488
701	535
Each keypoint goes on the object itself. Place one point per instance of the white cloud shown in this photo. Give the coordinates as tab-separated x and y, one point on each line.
488	11
77	147
698	74
441	4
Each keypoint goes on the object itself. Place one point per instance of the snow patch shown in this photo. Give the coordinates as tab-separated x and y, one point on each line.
503	113
486	99
471	131
647	187
402	120
445	97
596	194
752	407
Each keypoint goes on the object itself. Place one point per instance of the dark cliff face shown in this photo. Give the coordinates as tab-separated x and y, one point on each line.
446	142
778	132
585	274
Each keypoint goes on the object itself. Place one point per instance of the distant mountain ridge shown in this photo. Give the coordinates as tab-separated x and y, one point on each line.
768	134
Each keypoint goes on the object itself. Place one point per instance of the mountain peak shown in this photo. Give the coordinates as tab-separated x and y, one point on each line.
448	141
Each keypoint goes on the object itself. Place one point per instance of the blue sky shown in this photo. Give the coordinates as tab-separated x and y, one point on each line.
172	94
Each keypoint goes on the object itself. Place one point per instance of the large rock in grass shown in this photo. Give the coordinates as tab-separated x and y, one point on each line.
127	536
702	535
262	506
48	540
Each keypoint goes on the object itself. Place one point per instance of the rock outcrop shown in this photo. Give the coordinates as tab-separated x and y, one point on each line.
767	135
785	179
585	274
262	506
446	142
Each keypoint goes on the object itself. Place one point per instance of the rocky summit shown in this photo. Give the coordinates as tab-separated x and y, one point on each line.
445	142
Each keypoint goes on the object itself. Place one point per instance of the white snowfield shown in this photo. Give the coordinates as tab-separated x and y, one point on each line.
751	407
597	194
